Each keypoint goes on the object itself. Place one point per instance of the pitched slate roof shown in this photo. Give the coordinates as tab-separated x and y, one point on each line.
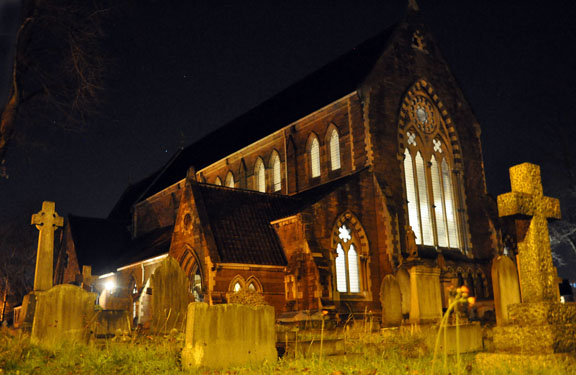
240	219
328	84
240	223
97	242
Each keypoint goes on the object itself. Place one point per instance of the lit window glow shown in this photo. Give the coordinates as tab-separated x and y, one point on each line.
340	270
334	150
276	173
230	180
314	158
260	176
237	287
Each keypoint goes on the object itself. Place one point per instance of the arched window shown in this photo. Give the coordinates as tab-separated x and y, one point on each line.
334	148
314	156
218	181
435	212
254	284
237	284
350	264
276	172
230	180
260	176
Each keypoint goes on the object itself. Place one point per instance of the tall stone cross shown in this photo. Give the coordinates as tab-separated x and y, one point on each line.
47	221
526	201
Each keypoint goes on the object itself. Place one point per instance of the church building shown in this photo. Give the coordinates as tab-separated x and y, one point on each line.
368	169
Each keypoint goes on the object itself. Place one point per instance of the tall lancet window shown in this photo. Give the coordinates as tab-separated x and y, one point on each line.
314	156
435	211
334	145
276	172
229	182
350	255
260	176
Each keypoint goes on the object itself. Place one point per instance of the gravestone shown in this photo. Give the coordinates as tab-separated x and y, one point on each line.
228	335
403	278
540	324
425	293
391	301
506	288
170	296
64	314
46	221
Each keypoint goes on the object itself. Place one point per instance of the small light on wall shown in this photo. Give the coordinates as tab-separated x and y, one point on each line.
110	286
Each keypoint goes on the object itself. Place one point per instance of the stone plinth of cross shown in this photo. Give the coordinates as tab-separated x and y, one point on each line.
527	203
47	221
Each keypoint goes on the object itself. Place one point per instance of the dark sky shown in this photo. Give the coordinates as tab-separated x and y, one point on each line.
178	69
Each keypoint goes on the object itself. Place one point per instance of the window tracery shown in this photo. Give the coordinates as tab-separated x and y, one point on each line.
350	259
435	210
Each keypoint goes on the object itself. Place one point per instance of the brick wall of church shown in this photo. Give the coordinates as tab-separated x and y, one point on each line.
292	143
358	196
157	211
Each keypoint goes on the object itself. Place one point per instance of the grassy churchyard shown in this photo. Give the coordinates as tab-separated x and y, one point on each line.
364	353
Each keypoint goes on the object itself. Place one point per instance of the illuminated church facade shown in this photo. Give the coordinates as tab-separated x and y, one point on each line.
371	166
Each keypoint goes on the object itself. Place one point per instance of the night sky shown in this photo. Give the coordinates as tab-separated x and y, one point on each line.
179	69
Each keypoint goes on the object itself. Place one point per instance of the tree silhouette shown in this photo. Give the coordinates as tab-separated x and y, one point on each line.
57	66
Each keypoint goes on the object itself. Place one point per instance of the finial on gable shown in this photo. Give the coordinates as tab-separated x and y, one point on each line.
412	4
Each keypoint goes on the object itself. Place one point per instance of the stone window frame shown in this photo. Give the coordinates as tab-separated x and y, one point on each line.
190	264
253	280
311	160
450	152
333	129
230	178
218	181
238	279
275	184
260	166
360	241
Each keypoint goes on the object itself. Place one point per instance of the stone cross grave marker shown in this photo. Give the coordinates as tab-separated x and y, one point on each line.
47	221
526	201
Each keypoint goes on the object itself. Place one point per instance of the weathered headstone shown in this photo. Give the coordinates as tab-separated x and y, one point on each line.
170	296
107	323
540	324
47	221
63	314
426	296
403	278
391	301
506	288
229	335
